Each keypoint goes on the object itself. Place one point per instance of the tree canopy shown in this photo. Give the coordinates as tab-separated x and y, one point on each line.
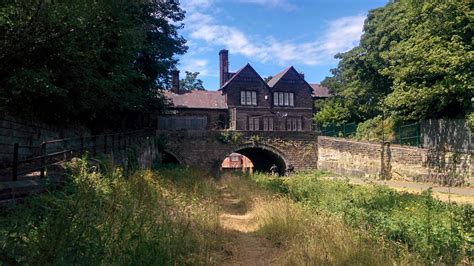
414	61
191	82
87	61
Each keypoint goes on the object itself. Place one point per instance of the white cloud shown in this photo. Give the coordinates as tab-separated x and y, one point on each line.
191	5
343	34
271	3
196	65
204	30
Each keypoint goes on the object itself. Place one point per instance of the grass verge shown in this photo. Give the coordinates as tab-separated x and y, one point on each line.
431	231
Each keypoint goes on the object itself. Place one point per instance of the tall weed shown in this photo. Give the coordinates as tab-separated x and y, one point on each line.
163	217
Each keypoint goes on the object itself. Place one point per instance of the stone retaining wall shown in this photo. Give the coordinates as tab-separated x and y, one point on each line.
391	161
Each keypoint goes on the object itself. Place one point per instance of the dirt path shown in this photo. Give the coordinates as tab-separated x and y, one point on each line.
244	247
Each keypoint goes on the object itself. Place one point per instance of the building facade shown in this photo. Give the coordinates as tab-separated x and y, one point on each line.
245	101
236	161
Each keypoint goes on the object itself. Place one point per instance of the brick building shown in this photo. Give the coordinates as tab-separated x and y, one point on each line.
245	101
236	161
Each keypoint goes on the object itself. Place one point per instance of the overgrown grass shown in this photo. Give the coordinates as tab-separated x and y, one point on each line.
434	231
306	236
171	216
168	216
319	238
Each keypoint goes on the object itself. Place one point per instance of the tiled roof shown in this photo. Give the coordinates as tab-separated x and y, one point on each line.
198	99
277	77
320	91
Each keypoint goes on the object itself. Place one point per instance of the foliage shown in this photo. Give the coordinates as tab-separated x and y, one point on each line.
414	60
373	129
191	82
160	218
230	136
435	231
254	138
331	111
87	61
470	121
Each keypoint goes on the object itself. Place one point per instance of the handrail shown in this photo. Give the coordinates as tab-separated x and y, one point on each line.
94	143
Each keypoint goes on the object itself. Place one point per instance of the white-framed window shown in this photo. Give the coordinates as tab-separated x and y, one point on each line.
293	124
248	97
234	158
254	123
268	124
233	118
283	99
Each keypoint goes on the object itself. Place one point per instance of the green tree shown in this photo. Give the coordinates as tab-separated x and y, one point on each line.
191	82
86	61
414	60
432	67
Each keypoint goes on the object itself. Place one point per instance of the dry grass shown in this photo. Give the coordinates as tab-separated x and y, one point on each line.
310	238
301	235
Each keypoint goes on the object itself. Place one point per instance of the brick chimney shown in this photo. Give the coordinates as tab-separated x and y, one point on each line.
175	81
223	66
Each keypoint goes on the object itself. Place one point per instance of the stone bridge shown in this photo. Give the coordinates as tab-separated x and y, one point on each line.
208	149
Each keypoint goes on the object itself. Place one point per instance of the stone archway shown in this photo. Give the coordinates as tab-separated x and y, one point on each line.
168	157
263	157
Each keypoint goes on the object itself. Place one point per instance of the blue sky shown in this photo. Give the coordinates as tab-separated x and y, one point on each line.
271	35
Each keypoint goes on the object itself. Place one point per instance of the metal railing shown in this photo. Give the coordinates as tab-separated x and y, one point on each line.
343	130
403	133
57	151
408	134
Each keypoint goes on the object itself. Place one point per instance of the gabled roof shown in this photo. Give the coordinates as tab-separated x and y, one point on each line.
278	76
197	99
320	91
274	81
247	66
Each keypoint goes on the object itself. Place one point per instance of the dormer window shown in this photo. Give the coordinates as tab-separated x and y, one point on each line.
283	99
248	98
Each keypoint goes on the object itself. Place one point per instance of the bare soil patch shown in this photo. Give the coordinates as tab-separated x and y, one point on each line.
243	246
